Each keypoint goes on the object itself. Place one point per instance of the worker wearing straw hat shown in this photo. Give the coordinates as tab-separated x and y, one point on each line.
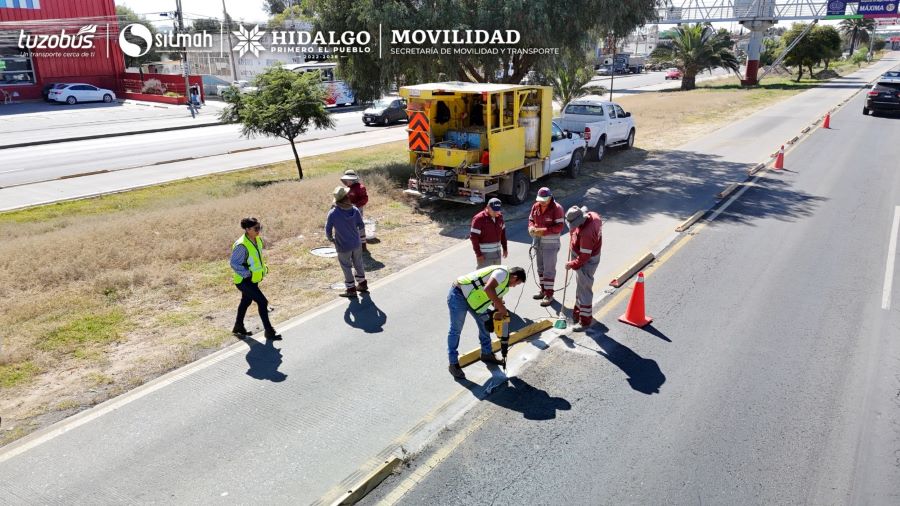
343	227
358	196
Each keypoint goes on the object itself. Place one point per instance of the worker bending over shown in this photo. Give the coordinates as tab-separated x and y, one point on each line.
586	240
475	293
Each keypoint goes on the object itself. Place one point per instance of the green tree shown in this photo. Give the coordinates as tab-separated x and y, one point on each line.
125	17
770	51
820	44
829	41
856	31
286	105
878	44
541	24
696	48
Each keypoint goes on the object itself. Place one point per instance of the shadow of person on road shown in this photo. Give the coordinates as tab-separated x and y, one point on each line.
643	374
363	314
264	361
533	403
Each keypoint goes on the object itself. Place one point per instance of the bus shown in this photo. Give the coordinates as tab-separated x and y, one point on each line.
338	93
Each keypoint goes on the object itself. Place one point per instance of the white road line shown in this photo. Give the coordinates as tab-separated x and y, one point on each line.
889	269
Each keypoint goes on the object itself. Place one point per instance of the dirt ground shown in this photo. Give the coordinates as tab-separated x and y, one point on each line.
117	290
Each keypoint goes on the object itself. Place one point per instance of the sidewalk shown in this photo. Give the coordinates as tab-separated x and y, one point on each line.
353	383
36	123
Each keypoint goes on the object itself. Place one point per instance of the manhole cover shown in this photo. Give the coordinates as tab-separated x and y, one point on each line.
327	252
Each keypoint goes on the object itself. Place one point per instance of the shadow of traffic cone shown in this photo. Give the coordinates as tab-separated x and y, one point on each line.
634	315
779	159
827	120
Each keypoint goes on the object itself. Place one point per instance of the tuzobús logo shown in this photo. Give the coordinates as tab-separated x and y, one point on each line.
84	39
141	32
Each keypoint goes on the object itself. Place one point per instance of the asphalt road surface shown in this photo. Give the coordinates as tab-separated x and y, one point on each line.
769	375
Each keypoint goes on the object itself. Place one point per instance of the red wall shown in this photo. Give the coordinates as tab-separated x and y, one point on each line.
99	69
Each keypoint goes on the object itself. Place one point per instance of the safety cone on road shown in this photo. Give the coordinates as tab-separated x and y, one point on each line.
634	314
827	120
779	159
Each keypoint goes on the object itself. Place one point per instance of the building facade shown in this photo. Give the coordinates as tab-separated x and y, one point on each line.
47	41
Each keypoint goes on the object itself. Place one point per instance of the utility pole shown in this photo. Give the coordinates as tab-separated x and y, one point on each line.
184	59
227	30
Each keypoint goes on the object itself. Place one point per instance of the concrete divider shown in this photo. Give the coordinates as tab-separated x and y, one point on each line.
631	271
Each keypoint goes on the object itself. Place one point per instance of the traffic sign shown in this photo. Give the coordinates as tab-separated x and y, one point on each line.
878	8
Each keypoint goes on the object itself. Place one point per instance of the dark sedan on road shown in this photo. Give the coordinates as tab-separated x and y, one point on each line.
385	111
883	97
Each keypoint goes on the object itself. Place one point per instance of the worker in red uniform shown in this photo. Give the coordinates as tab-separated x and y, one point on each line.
586	240
545	222
488	235
359	197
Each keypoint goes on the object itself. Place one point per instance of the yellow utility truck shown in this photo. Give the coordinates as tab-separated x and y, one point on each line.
471	141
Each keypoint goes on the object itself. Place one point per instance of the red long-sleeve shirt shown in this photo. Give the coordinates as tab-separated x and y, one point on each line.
358	194
487	230
552	219
586	240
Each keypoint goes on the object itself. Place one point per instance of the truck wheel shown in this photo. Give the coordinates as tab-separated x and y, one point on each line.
630	143
574	168
865	111
601	148
520	190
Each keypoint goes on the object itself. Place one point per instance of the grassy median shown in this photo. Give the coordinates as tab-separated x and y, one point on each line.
109	292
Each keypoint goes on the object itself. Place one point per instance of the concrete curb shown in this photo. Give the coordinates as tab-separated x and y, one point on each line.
727	191
104	136
368	483
631	271
686	224
514	337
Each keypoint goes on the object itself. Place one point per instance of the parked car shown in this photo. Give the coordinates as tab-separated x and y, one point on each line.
605	70
211	84
884	96
602	124
385	111
46	91
673	73
80	92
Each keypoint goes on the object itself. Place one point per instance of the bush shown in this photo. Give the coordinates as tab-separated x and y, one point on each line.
860	56
153	87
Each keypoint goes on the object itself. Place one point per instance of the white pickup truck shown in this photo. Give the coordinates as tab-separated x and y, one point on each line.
602	123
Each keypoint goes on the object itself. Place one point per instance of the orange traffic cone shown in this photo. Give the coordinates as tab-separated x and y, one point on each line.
827	120
634	315
779	159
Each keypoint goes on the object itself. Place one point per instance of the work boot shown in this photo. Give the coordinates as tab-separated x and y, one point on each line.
546	301
582	325
456	371
490	358
240	332
271	335
365	248
538	296
350	292
363	287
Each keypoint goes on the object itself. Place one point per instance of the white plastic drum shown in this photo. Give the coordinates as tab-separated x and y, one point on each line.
530	119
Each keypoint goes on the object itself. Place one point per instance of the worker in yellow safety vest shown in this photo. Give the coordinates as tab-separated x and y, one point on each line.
474	293
249	270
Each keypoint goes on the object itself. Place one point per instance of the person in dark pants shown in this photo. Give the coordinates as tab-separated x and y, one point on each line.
249	270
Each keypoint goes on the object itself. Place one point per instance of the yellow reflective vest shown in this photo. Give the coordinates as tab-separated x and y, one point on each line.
254	262
472	286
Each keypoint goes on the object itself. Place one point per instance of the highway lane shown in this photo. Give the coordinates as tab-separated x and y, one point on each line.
41	163
632	83
769	375
46	162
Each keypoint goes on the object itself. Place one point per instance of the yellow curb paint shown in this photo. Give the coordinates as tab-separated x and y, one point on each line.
519	335
686	224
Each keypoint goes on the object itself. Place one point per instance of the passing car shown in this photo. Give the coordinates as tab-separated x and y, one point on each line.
212	83
884	96
385	111
673	73
891	74
74	93
242	86
600	122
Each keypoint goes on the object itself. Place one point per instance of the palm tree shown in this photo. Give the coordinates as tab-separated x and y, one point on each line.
571	84
696	48
856	31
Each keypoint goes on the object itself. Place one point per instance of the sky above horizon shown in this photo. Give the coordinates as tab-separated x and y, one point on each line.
241	10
